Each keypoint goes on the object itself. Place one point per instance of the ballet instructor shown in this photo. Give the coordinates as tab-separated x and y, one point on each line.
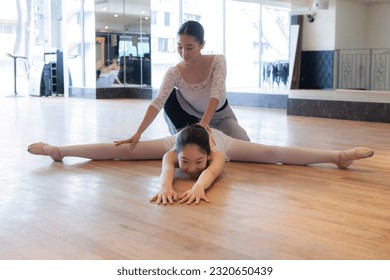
192	91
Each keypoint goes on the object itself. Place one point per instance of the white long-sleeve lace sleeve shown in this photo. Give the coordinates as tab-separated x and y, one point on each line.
218	83
165	89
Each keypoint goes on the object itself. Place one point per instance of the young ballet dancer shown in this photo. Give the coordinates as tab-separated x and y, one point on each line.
200	153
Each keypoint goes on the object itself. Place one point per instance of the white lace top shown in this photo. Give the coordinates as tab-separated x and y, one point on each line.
197	95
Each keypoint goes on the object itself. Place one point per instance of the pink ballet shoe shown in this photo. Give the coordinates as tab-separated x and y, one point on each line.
37	149
347	157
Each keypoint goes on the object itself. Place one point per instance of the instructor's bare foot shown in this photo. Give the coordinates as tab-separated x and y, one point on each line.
348	156
44	149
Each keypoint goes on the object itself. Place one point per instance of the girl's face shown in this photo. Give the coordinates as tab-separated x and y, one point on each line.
192	160
188	48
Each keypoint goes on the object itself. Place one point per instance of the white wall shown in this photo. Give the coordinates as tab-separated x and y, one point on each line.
320	34
351	25
378	33
348	25
360	25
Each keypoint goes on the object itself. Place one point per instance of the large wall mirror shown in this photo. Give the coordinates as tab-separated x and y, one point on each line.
123	50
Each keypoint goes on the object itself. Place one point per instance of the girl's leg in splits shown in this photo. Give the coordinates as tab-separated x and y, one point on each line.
254	152
144	150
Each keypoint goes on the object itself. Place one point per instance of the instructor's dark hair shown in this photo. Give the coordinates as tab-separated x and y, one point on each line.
193	134
192	28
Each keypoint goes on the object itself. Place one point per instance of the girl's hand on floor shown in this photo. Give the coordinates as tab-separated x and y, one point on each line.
192	195
165	196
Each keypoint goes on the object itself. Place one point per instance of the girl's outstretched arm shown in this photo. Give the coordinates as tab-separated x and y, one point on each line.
167	193
206	178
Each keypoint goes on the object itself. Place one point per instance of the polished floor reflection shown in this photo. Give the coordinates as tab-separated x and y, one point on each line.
80	209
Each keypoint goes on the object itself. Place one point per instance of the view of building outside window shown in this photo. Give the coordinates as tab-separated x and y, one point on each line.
275	47
210	14
242	44
26	33
232	28
8	25
164	24
22	35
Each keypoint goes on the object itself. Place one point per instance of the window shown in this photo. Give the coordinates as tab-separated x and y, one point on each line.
162	44
153	19
8	28
191	17
126	47
167	19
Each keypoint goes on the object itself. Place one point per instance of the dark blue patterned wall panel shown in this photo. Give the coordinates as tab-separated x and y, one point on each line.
316	70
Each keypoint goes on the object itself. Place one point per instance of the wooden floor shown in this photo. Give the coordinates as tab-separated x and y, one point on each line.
81	209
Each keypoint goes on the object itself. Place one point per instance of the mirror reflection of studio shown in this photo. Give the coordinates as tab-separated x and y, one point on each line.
122	44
